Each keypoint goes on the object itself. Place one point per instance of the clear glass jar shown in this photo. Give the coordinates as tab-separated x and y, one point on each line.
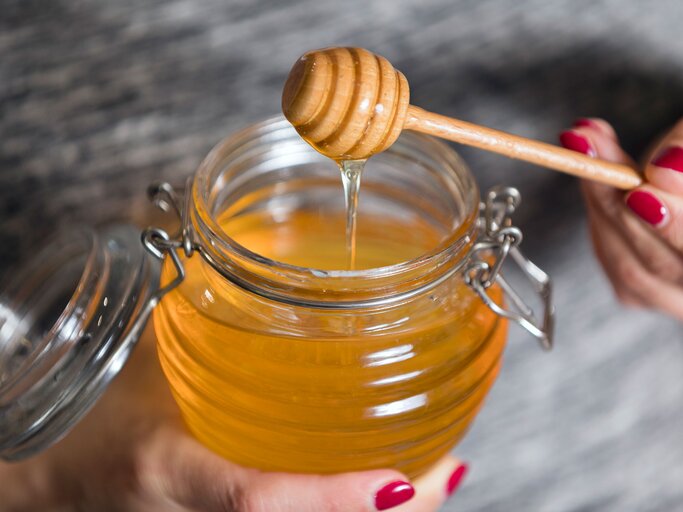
390	366
274	365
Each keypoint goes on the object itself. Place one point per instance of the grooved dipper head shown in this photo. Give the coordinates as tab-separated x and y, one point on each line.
348	103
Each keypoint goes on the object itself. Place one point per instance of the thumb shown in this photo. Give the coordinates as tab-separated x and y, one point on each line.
367	491
665	167
349	492
179	470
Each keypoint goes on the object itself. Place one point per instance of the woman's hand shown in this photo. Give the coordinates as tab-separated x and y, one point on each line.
131	453
638	236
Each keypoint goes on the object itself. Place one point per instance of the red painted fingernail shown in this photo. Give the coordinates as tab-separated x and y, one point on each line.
670	158
584	122
456	478
393	494
646	206
576	142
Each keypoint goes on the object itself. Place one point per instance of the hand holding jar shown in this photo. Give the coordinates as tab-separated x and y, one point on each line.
637	237
132	453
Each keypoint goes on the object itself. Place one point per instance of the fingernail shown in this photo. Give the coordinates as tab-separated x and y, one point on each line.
455	479
646	206
670	158
393	494
584	122
576	142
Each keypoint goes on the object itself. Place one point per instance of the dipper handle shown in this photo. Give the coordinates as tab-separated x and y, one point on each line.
521	148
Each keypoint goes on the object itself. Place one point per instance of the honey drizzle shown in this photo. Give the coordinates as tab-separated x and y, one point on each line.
351	173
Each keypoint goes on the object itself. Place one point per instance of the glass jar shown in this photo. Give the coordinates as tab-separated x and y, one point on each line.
289	368
285	366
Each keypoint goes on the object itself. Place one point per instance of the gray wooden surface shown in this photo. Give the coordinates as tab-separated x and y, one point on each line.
100	97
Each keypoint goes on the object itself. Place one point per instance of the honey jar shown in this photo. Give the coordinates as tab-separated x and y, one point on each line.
278	356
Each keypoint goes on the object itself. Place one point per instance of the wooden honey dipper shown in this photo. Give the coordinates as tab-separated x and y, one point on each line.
349	104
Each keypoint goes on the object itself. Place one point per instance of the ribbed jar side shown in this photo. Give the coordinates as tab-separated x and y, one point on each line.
321	403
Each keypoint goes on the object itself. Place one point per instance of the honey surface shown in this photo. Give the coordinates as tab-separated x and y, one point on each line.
287	388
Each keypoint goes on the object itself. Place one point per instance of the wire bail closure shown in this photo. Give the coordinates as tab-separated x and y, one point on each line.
160	244
498	239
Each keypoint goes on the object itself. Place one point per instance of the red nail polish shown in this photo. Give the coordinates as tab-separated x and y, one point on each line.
670	158
456	478
393	494
584	122
576	142
646	206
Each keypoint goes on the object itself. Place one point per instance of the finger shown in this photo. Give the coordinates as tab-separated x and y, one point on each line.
665	168
660	210
603	197
435	487
430	490
653	251
623	295
596	225
367	491
628	275
598	124
179	469
598	140
596	137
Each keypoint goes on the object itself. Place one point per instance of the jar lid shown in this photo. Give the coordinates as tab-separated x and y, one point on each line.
69	319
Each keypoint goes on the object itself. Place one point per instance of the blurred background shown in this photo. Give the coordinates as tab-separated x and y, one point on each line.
99	98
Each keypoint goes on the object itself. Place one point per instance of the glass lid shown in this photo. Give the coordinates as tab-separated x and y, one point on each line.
69	319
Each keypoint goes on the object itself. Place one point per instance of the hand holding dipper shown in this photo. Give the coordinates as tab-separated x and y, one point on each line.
349	104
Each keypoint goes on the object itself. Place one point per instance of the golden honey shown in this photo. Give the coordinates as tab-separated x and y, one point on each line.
333	396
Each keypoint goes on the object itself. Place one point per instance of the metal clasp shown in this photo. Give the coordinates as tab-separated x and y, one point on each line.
498	240
159	243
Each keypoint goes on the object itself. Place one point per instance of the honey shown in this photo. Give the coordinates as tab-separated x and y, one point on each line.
351	174
326	392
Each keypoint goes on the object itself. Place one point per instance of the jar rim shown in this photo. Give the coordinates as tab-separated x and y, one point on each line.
223	249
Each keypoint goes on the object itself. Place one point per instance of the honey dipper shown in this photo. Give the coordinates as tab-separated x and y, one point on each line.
349	104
